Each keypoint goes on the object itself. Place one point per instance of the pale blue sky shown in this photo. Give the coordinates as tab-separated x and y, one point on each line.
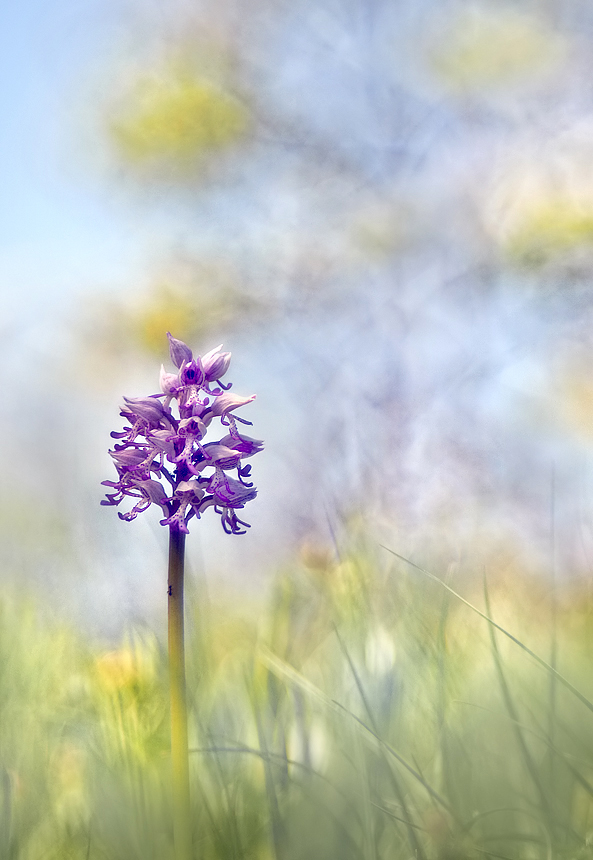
58	233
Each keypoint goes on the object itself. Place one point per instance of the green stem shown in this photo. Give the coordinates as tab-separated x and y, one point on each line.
179	747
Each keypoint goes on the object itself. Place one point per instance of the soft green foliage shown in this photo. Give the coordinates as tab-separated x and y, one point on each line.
367	713
484	48
553	229
177	119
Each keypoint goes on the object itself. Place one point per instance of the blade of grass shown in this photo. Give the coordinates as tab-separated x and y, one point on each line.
553	634
514	714
232	829
565	758
561	679
444	747
541	735
560	754
277	827
481	815
490	854
284	669
417	776
282	759
396	817
416	846
368	825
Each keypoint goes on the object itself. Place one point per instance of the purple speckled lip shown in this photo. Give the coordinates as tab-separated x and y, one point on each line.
156	445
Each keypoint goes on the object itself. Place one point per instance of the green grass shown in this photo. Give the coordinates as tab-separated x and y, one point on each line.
365	712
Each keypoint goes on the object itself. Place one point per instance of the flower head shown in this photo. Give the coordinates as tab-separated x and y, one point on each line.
157	445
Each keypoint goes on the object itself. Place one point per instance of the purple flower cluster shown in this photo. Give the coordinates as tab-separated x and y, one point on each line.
155	445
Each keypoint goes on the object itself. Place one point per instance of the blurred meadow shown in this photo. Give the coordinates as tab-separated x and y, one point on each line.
384	209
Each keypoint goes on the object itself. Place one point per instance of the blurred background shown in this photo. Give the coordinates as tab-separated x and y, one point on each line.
383	209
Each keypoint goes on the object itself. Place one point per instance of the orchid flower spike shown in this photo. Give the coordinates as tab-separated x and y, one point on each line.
161	457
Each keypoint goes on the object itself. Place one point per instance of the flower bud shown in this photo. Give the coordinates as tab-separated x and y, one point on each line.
179	351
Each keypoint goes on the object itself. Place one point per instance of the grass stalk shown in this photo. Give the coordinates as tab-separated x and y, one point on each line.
543	663
513	713
179	743
554	638
277	828
398	790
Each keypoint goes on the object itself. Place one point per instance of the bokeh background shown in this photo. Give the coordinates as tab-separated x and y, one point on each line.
383	209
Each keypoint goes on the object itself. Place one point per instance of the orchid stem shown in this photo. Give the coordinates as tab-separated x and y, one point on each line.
179	745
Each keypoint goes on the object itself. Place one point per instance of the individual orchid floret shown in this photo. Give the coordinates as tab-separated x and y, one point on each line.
131	458
192	373
163	441
148	409
157	446
188	494
228	492
216	364
226	403
245	444
216	454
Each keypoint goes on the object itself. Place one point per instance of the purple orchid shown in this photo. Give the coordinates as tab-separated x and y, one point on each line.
156	445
